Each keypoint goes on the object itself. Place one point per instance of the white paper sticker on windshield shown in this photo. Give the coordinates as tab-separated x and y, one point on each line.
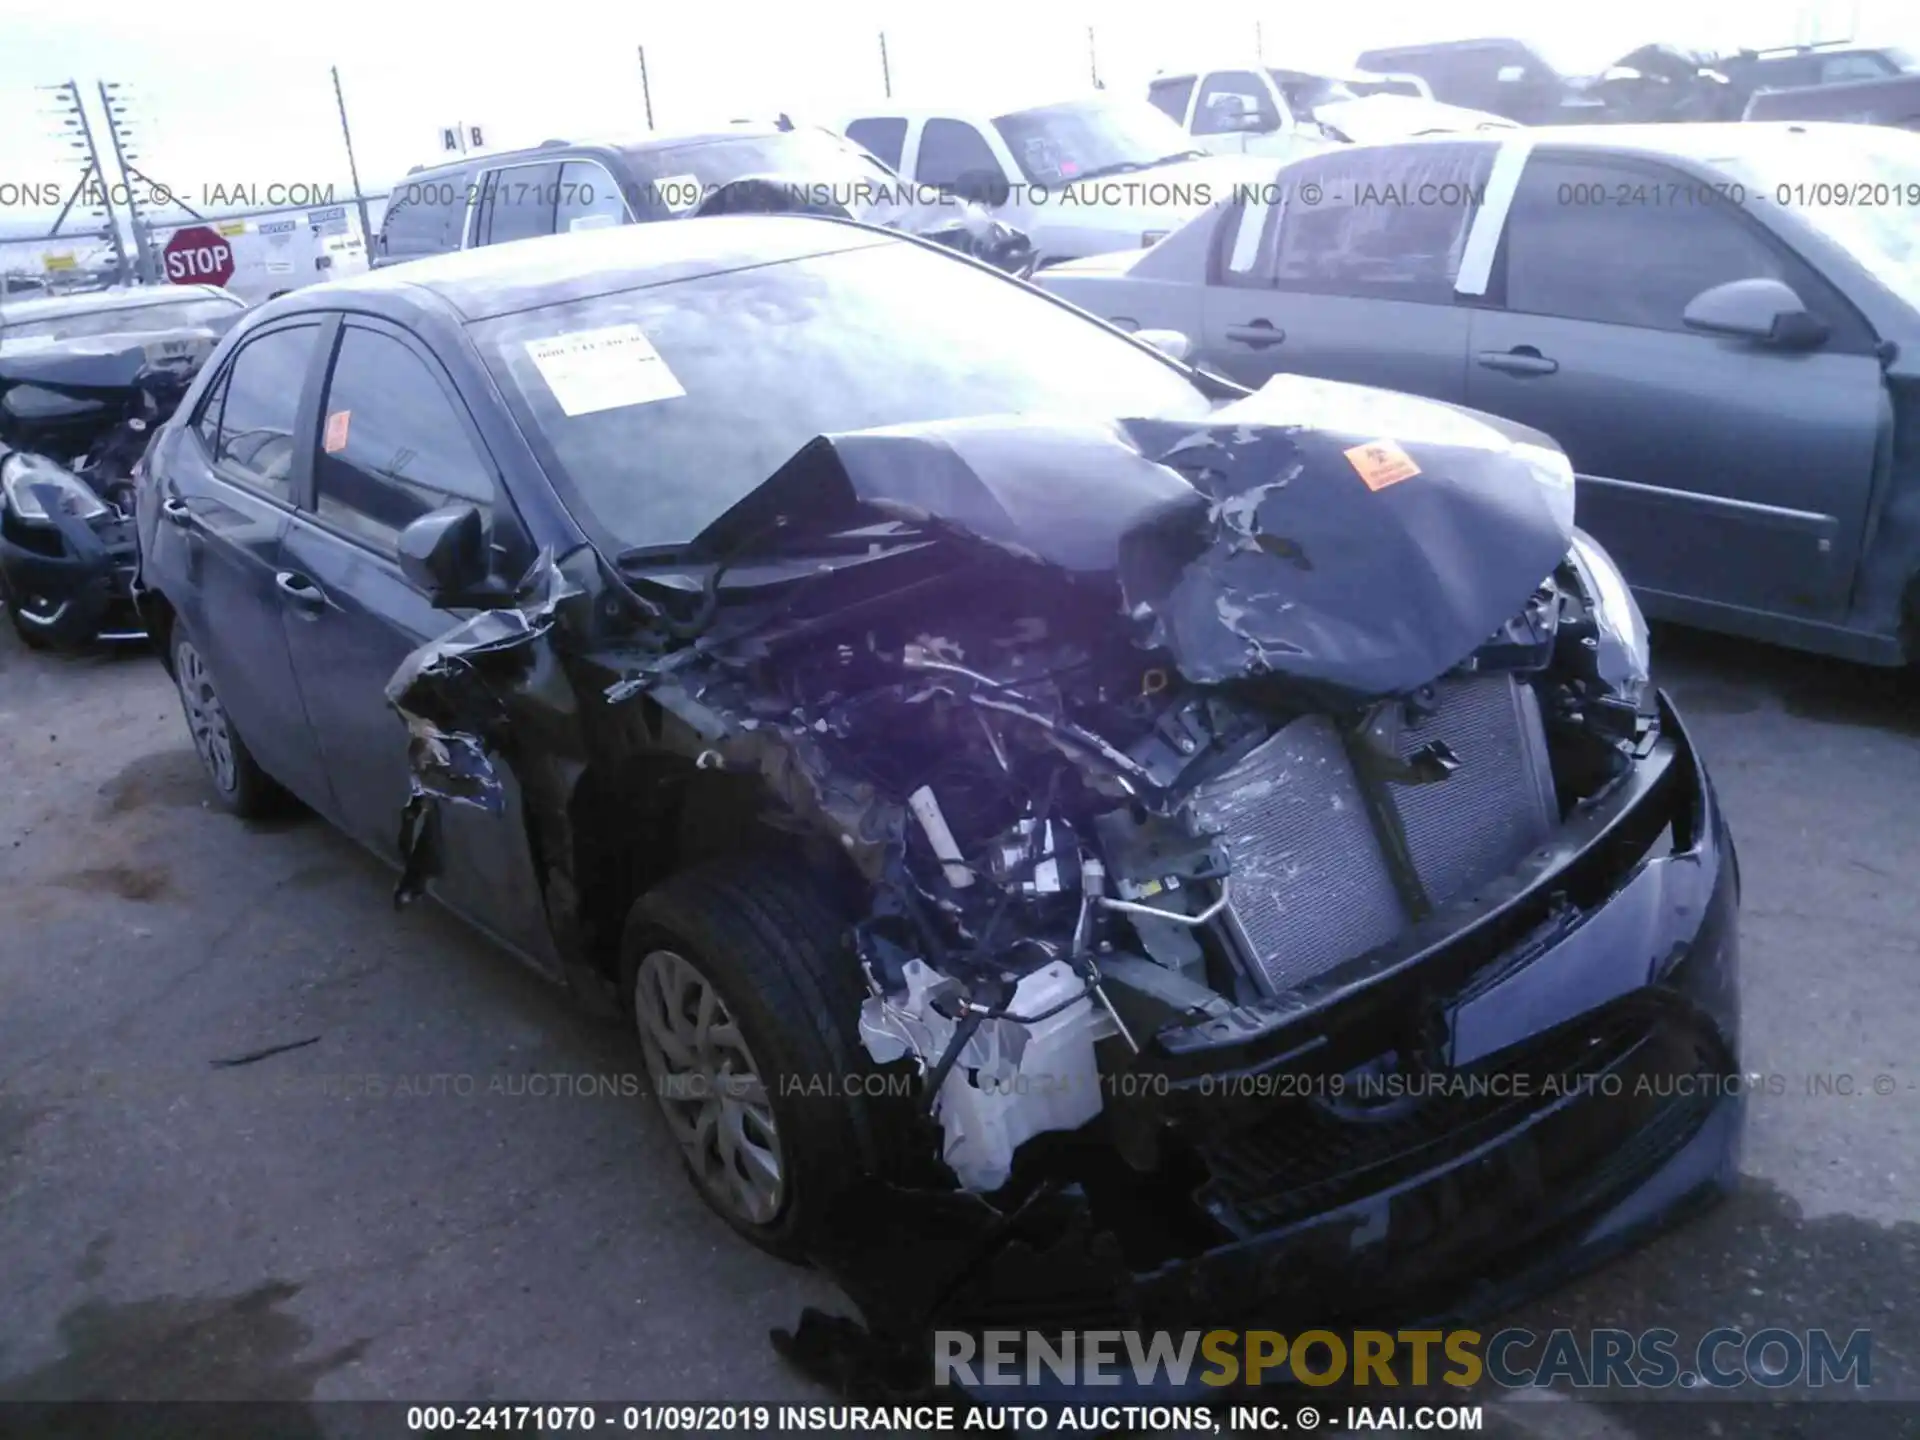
592	370
678	192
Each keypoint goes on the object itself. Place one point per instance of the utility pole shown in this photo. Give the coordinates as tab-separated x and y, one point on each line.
353	168
124	154
646	90
1259	44
886	72
1093	61
75	118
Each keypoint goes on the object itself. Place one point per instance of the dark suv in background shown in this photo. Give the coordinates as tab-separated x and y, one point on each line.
563	186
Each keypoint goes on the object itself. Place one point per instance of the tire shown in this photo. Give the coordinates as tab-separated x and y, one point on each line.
239	784
771	949
31	635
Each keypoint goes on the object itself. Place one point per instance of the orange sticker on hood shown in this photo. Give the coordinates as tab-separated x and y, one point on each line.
1382	463
335	438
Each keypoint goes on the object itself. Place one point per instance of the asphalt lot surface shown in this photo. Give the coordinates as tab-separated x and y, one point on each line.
411	1206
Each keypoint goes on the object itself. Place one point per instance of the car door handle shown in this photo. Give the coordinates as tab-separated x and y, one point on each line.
1256	333
177	512
299	589
1521	360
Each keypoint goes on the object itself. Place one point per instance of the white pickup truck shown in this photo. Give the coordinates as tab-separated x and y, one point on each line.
1261	110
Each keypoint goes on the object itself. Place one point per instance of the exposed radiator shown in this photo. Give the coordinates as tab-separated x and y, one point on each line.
1311	886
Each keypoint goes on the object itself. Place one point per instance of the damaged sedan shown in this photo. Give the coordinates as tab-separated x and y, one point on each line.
1074	838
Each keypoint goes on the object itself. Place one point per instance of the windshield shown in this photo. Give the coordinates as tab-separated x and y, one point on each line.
1861	190
1080	139
675	180
122	320
1304	92
754	363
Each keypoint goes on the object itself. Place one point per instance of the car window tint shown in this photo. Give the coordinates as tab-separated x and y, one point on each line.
884	137
206	423
519	203
392	445
587	198
1588	241
424	215
1838	69
950	149
1226	96
1382	223
1171	96
262	404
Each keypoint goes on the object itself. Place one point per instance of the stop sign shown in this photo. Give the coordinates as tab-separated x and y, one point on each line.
198	256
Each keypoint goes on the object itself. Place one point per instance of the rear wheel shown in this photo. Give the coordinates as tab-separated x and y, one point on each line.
747	1005
238	781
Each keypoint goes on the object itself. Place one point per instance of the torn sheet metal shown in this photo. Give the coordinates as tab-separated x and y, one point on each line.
1251	545
449	692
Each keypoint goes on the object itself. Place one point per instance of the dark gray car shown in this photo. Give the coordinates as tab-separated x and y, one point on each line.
1719	323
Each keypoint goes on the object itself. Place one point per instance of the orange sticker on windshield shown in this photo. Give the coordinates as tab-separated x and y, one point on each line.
1382	463
335	438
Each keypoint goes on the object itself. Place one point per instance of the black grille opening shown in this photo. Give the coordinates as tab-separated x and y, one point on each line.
1615	1116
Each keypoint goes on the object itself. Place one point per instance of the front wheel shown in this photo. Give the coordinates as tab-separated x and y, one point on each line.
747	1004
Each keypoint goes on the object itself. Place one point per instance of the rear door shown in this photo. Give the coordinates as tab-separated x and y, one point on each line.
396	441
1345	269
1716	470
225	500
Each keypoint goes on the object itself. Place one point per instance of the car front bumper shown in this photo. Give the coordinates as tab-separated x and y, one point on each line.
69	581
1582	1090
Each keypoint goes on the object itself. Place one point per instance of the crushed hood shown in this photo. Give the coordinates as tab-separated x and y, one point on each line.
1355	541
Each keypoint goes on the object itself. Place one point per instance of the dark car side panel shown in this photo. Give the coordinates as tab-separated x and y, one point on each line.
214	551
364	618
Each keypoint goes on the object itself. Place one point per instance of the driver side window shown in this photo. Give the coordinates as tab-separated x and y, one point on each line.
1227	98
1592	241
393	446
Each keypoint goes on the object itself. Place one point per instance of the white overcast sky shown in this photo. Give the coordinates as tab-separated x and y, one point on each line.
238	90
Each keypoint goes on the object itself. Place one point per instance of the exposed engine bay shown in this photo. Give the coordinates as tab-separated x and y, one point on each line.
1084	827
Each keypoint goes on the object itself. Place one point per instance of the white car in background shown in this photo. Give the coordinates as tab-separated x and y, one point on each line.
1080	177
1267	110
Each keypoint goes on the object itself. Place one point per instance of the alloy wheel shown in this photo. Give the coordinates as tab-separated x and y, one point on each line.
206	718
709	1087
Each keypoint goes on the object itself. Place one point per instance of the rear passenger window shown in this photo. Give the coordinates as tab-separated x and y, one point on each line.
588	198
393	446
262	404
424	217
1171	96
518	203
1579	245
884	138
952	150
1385	224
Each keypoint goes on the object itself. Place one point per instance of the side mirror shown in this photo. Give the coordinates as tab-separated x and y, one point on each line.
983	187
1759	309
1171	343
443	554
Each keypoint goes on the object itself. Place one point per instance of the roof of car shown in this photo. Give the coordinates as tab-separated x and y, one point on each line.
123	297
552	269
1702	141
642	142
